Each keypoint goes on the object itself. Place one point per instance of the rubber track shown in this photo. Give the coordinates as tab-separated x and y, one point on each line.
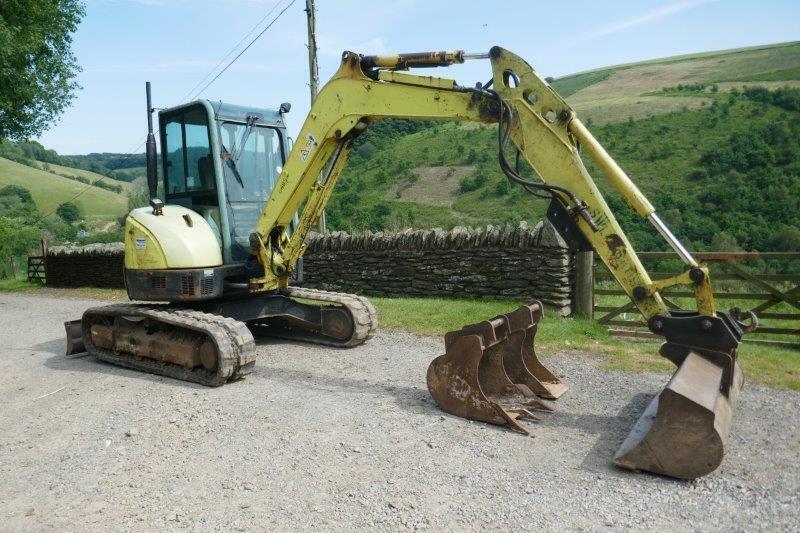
234	343
365	318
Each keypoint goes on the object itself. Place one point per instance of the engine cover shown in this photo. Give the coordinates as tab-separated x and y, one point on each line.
177	238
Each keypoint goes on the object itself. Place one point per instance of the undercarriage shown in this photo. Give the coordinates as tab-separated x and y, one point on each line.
212	342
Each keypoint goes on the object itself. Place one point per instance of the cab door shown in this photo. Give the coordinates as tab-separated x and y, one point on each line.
188	163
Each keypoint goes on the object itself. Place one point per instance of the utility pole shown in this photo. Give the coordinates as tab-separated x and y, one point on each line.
313	72
312	50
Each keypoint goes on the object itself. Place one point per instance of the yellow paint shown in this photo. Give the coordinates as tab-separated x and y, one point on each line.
629	191
544	130
411	79
178	238
704	296
142	250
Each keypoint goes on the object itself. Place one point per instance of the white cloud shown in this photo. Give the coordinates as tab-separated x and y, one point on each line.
651	16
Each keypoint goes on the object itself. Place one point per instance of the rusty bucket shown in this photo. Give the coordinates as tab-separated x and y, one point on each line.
490	372
683	431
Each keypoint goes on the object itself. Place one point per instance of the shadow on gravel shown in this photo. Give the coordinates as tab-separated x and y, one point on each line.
83	362
86	363
55	347
412	399
611	431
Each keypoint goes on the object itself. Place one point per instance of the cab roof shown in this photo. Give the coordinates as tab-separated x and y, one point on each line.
239	113
235	113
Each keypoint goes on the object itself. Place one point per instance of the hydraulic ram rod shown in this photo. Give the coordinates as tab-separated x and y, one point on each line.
419	60
630	192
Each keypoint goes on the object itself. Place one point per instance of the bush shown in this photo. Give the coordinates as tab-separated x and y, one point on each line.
787	98
697	174
466	184
22	193
474	182
69	212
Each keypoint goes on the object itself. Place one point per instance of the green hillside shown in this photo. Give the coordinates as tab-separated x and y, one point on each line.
720	158
712	138
615	93
49	190
81	173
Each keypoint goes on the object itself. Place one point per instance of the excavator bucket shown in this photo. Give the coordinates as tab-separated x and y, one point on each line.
490	372
683	430
74	337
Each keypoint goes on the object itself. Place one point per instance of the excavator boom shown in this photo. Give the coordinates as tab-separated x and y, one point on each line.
683	431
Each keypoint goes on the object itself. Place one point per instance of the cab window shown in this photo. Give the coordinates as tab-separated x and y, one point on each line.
188	163
252	159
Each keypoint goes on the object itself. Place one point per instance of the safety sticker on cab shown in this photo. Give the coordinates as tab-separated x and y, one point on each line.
141	243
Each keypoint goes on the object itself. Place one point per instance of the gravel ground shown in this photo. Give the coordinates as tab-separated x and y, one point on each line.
319	438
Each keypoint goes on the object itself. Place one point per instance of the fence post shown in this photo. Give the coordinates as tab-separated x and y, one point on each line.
584	284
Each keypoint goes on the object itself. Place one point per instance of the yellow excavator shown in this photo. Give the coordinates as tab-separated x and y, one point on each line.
227	261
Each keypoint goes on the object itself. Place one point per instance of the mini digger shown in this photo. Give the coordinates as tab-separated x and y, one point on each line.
222	253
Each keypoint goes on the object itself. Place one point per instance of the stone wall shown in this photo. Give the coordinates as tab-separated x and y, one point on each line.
93	265
519	262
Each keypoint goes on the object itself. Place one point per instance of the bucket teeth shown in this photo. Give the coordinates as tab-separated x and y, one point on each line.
490	372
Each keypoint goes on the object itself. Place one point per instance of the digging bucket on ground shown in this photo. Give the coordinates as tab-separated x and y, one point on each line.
490	371
683	431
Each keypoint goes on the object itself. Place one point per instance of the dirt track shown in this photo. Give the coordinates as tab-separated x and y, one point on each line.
331	439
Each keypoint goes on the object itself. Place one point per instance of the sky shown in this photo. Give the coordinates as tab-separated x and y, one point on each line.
175	44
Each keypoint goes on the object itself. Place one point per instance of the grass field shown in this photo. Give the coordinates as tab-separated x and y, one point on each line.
93	176
775	367
435	316
615	93
133	173
49	190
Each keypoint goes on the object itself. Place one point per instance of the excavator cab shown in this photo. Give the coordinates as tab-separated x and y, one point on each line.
219	164
221	160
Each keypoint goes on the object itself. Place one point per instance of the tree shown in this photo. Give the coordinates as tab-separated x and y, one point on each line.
37	78
69	212
22	193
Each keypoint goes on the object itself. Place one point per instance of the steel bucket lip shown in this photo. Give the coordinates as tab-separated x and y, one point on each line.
683	431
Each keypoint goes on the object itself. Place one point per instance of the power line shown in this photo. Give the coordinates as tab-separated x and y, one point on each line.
131	153
232	50
120	161
251	43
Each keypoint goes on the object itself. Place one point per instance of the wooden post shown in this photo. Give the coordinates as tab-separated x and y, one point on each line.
13	268
584	284
313	70
313	77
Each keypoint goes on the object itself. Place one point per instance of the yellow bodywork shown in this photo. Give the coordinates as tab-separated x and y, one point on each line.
545	131
178	238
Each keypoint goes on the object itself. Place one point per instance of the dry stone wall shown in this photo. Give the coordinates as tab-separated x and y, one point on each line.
93	265
519	262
